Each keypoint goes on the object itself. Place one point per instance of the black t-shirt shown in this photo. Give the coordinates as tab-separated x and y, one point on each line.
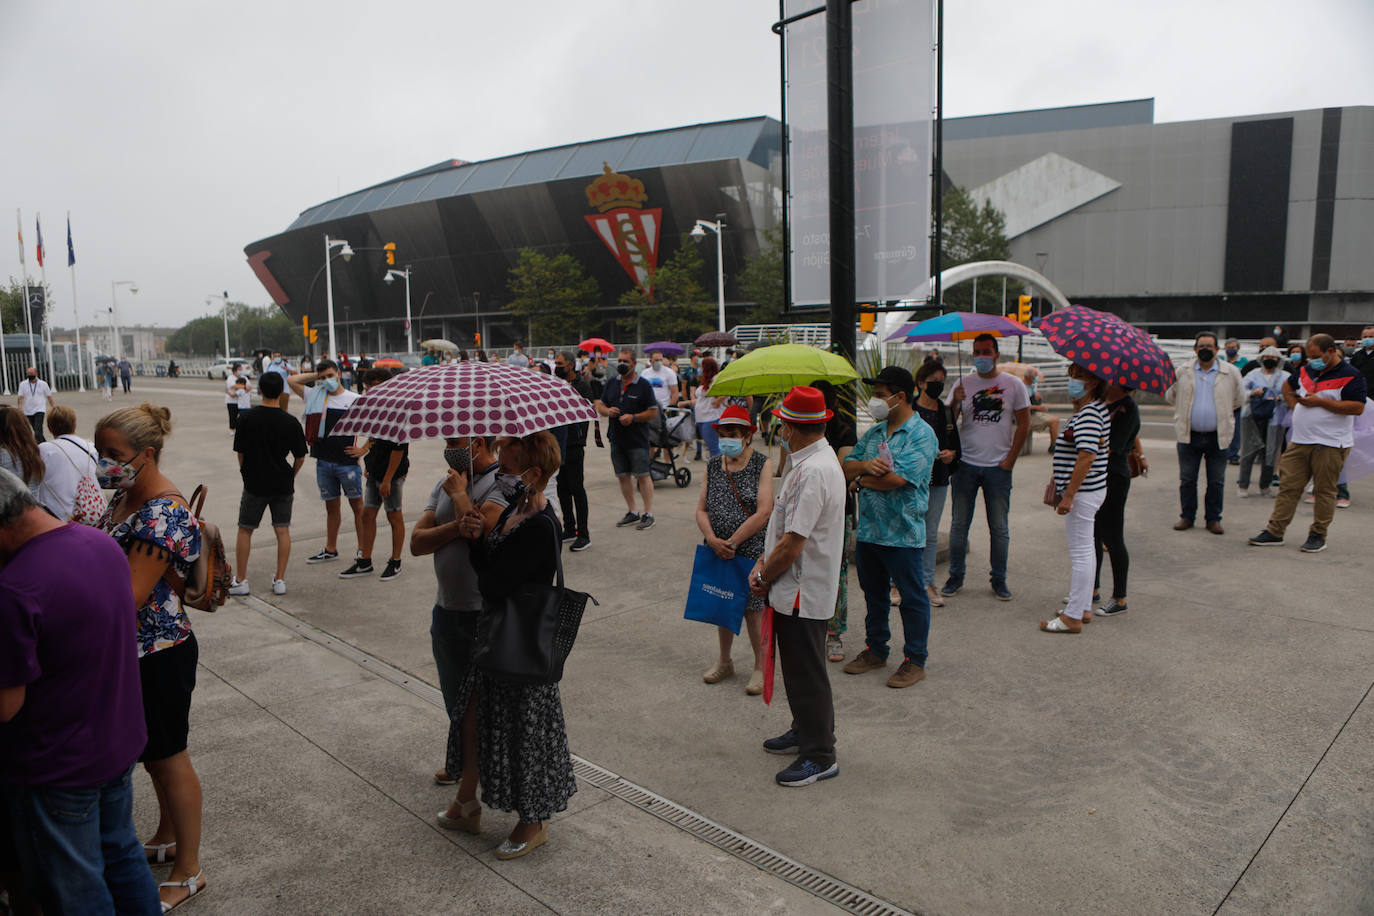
1125	417
266	436
379	456
636	398
941	421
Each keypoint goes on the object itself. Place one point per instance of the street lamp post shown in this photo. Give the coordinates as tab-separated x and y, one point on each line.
346	252
390	278
698	233
114	324
224	313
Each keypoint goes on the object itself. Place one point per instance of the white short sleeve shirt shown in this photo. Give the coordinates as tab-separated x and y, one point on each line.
810	503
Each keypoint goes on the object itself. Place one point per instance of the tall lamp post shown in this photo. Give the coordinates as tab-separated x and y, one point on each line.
345	252
114	324
224	313
698	233
389	279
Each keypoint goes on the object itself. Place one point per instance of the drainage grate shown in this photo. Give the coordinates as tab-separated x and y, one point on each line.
832	890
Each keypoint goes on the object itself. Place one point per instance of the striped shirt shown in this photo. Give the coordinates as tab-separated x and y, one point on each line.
1085	431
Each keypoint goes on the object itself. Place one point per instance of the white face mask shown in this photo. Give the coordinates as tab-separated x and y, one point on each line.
878	408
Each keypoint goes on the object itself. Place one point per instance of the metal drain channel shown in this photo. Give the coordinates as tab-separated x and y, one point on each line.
815	882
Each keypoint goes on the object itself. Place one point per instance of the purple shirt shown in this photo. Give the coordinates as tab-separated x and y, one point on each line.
70	639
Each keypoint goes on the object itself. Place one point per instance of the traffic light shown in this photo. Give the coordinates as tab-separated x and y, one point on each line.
867	322
305	326
1023	309
313	335
390	248
477	338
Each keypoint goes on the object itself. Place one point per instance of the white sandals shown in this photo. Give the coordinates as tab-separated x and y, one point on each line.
1057	625
157	854
193	885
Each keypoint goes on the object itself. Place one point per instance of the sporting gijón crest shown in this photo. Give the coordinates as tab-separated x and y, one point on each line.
628	229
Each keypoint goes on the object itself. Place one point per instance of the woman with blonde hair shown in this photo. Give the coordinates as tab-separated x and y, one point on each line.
520	755
150	519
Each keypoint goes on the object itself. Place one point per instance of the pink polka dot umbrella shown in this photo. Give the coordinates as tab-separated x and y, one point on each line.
1108	347
464	399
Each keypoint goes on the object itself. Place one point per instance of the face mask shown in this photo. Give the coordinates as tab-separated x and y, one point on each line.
115	475
460	459
1205	354
984	364
1367	343
550	357
276	360
32	377
1077	387
935	389
658	364
1316	365
782	440
1278	331
331	385
1231	352
1269	363
732	448
878	408
1295	358
623	368
598	373
512	486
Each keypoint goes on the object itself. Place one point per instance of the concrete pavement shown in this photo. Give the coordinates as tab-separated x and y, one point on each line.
1209	749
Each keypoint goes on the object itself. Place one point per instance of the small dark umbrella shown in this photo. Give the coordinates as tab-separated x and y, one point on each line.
717	339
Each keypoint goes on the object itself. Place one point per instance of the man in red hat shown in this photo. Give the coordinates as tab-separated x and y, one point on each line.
799	577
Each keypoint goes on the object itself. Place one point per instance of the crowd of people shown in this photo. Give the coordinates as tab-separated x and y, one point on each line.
97	672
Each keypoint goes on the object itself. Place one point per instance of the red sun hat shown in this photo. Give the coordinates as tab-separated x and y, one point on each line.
735	415
803	405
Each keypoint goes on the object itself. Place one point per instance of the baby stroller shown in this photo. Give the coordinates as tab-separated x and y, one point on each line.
672	427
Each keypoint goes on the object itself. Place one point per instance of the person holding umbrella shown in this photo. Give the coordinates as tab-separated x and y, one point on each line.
1080	487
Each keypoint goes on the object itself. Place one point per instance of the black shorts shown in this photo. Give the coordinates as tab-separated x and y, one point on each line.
169	677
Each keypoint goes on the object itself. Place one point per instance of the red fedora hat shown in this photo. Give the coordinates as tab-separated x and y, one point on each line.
803	405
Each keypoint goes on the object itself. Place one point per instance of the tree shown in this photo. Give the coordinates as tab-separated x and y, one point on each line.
761	281
552	294
250	328
974	233
681	308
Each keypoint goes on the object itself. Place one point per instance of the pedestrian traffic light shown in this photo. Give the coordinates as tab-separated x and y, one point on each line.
1023	309
390	248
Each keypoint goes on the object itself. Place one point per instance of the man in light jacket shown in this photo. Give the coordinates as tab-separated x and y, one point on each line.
1205	397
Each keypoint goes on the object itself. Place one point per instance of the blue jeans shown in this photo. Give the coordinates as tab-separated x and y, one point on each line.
333	478
964	486
934	509
1233	450
877	566
78	848
708	435
1191	454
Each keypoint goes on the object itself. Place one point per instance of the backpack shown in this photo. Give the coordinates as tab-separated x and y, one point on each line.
207	587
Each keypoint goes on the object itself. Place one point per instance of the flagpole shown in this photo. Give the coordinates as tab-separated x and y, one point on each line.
47	319
76	315
24	273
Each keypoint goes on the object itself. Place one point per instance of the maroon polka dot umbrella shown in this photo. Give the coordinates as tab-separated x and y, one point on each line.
1108	347
464	399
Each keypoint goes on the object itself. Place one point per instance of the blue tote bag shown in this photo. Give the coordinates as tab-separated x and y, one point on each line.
719	590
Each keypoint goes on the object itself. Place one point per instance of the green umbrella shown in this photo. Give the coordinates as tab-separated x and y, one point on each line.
778	368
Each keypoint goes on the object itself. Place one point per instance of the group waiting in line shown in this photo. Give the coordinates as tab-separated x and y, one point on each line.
97	671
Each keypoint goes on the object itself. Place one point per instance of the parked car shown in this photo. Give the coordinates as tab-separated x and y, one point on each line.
220	368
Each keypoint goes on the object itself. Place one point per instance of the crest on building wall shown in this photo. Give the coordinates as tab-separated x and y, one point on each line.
625	226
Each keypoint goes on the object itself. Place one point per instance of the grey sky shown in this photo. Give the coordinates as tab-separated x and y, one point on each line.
177	132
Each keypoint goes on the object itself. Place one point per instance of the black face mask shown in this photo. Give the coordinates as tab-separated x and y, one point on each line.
1206	354
623	368
933	389
460	459
1269	363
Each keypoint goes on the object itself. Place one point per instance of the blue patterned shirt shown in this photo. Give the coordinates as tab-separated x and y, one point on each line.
897	518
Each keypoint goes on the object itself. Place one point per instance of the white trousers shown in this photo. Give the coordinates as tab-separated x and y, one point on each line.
1078	530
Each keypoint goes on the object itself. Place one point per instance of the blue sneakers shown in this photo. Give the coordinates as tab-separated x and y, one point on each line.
999	588
804	772
786	743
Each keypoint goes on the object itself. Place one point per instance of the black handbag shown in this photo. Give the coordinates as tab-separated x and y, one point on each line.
525	637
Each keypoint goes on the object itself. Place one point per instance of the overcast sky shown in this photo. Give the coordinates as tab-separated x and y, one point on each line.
178	132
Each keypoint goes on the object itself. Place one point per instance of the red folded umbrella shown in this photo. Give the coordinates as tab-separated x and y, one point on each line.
769	652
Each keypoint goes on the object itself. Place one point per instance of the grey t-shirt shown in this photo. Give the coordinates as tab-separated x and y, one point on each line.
452	565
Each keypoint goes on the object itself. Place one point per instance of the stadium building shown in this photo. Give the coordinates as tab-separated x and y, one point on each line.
1239	223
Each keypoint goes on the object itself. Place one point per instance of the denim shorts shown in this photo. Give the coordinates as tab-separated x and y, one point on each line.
333	478
372	495
251	507
629	462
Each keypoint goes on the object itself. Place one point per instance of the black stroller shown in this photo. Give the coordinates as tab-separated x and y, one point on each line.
671	428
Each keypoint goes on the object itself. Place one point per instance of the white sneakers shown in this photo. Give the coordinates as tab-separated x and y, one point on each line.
241	588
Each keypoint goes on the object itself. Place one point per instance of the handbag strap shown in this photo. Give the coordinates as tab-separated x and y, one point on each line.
730	477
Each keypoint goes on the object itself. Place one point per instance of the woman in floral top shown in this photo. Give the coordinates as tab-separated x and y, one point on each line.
150	520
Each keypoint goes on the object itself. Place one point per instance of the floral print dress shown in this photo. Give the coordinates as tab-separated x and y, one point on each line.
162	622
523	760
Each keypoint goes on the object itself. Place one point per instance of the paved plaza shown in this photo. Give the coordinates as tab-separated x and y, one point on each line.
1212	749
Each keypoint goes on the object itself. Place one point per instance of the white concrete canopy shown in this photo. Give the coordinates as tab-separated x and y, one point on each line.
955	275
